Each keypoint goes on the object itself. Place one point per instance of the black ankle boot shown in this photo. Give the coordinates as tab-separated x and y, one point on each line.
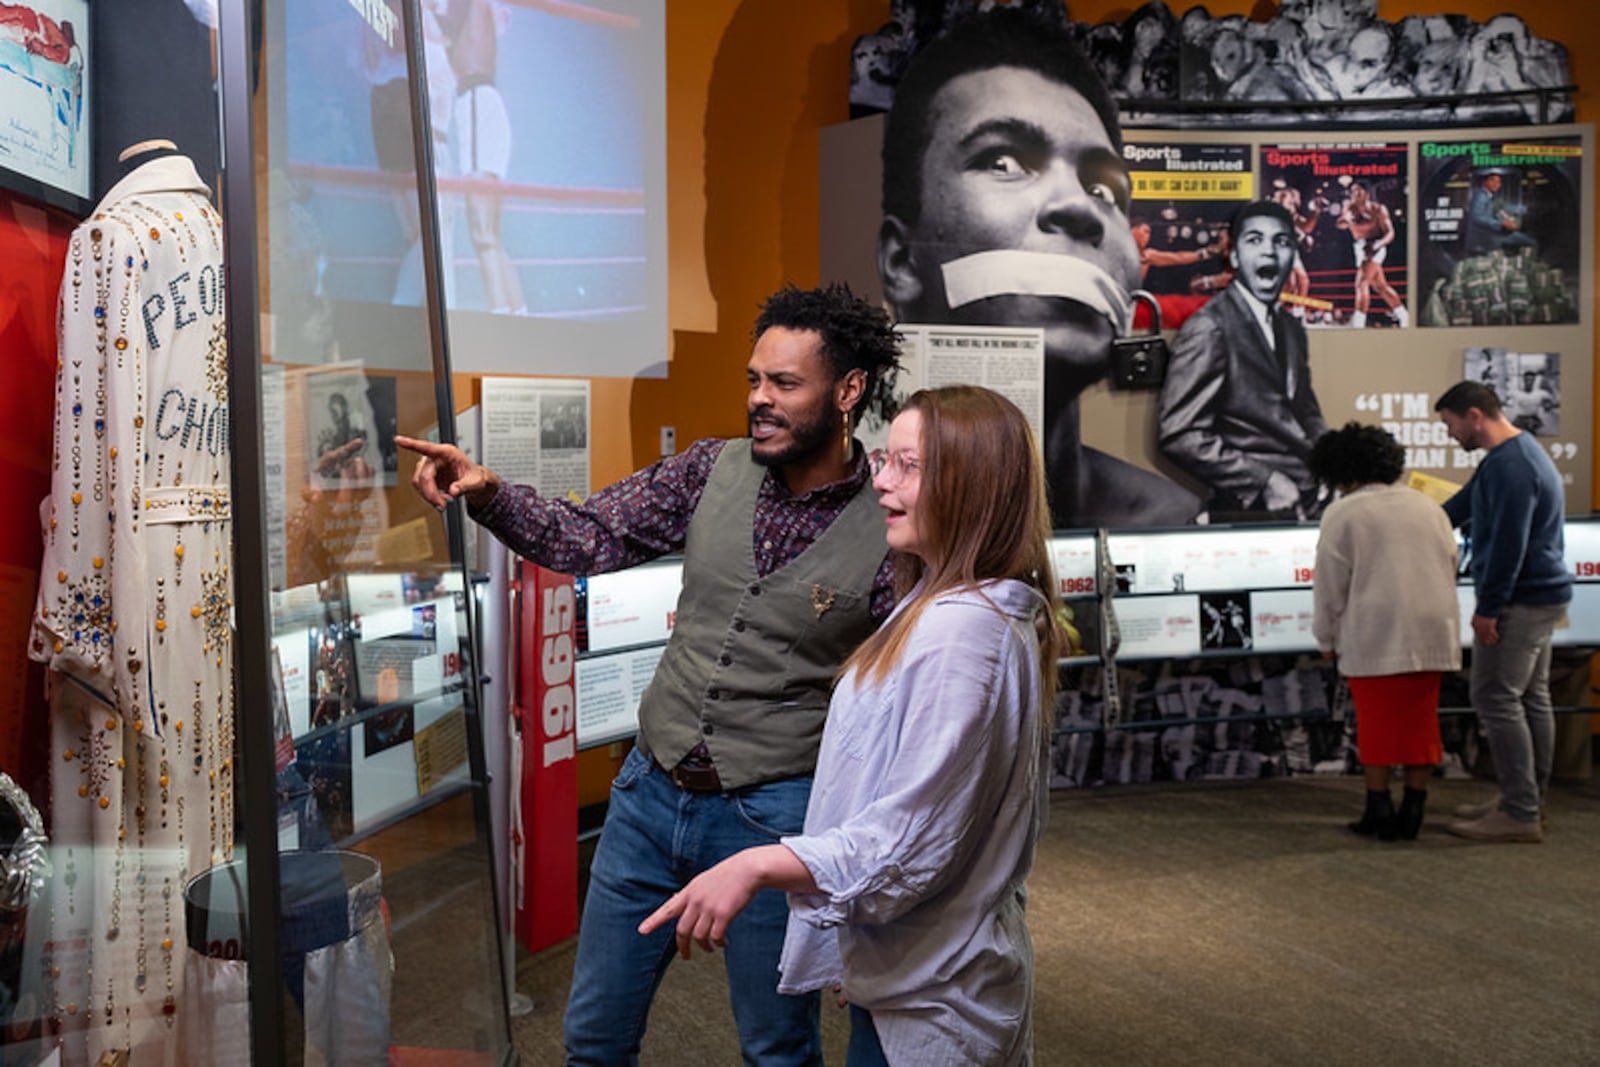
1378	820
1409	820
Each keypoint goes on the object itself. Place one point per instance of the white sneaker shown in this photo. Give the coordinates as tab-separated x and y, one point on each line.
1497	826
1489	807
1479	810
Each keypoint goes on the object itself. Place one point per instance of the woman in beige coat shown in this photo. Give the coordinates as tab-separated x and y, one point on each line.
1386	608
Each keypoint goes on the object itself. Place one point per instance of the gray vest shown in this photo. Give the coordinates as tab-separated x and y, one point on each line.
751	662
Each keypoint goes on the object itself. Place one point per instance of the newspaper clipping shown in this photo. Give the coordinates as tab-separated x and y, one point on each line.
1007	359
536	432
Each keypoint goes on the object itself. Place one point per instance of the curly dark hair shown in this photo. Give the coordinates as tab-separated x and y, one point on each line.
1357	455
855	335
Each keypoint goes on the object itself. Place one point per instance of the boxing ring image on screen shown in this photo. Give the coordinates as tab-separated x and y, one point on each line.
548	150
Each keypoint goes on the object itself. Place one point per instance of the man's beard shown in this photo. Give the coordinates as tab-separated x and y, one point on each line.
807	438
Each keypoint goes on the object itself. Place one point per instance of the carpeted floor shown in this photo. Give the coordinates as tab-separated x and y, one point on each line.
1241	924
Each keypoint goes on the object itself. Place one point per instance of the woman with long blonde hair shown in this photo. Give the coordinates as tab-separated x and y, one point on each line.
906	888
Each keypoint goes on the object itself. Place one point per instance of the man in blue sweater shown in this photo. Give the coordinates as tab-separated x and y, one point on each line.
1514	505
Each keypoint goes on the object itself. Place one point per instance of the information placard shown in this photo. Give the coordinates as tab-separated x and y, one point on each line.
609	688
632	607
441	749
1075	566
1155	626
1211	560
1280	621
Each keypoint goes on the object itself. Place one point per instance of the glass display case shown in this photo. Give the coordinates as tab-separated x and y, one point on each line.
252	825
359	711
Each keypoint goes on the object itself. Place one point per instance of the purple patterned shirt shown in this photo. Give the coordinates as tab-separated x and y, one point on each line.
646	515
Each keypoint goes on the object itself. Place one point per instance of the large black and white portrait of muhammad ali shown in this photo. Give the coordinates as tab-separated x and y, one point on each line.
1005	202
1237	409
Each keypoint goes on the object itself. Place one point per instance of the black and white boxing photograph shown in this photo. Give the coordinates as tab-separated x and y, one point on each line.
1237	410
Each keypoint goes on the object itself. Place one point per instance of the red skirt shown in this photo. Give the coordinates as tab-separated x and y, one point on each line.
1397	718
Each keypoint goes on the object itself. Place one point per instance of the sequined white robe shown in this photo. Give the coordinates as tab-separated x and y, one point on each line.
133	614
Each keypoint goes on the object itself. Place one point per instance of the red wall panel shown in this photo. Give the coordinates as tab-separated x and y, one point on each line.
33	250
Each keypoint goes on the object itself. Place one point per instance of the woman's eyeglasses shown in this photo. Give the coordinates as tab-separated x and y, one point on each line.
902	465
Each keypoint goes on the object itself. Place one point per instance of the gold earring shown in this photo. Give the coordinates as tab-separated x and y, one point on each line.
848	451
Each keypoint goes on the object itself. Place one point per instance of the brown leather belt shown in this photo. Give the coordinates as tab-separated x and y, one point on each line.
692	779
695	773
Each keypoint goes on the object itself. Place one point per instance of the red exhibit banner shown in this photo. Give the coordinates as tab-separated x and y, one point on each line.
544	838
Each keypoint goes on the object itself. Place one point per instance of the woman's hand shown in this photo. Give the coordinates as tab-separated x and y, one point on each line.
707	905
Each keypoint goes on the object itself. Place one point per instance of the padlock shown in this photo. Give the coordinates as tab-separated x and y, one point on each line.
1140	362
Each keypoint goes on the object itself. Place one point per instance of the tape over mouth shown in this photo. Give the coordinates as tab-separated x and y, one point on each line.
1009	272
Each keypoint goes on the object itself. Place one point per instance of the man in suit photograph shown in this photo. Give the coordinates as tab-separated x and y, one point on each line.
1005	203
1237	409
1493	220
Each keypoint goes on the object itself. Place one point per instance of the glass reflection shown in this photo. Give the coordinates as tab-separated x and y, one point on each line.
369	615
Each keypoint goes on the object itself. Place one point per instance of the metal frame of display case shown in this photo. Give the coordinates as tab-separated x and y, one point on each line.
237	45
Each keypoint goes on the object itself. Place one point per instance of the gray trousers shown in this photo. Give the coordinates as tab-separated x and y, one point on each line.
1511	694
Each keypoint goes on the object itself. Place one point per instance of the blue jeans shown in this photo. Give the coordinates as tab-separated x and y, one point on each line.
656	838
1511	694
864	1050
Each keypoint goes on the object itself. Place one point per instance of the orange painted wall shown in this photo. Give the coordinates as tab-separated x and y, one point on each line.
748	85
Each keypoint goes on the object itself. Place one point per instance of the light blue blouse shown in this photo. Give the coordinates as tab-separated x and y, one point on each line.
928	801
